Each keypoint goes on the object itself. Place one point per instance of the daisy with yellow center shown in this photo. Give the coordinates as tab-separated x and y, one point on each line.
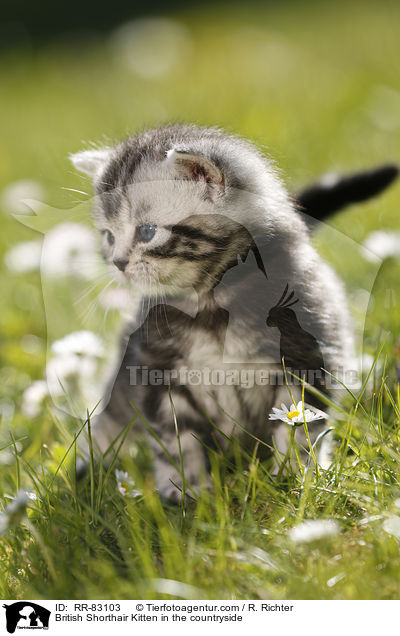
297	414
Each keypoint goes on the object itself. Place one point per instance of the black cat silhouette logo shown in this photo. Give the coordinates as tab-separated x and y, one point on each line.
26	615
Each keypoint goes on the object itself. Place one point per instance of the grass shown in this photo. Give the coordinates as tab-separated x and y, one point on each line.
317	85
88	540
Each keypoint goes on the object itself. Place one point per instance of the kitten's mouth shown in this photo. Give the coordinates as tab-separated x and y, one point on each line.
142	277
149	280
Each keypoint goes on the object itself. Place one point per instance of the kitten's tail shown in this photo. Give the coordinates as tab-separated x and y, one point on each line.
334	192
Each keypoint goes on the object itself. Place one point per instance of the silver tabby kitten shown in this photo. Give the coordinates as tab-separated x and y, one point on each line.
200	224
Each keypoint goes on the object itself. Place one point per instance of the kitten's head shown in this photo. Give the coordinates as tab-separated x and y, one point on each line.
165	206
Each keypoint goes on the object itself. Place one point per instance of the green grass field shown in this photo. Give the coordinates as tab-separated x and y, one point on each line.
317	86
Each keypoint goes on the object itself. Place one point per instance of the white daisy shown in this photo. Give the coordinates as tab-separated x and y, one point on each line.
391	525
70	249
33	398
125	485
14	512
368	361
151	47
79	343
75	369
24	257
296	414
381	244
314	529
13	196
71	374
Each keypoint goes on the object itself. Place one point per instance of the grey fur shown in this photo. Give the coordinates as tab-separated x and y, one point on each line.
229	243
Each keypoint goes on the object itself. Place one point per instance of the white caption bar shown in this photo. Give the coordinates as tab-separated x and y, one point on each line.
217	617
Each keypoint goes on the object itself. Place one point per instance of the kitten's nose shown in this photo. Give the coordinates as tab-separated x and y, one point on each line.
121	264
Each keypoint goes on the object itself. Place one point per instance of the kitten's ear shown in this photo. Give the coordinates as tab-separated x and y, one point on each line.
196	167
90	162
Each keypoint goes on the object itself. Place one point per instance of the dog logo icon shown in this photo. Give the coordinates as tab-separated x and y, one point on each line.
26	615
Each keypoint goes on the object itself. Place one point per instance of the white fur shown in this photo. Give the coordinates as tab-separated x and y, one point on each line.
91	162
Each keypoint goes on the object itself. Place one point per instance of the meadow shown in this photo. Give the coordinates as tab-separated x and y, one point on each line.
316	85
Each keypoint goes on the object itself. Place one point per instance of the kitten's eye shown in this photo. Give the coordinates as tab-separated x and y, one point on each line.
109	236
145	233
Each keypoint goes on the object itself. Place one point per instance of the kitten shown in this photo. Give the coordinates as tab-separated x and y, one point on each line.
199	223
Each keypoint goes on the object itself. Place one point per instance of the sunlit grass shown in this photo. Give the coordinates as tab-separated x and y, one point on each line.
88	540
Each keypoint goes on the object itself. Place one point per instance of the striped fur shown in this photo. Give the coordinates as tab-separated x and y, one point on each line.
228	243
